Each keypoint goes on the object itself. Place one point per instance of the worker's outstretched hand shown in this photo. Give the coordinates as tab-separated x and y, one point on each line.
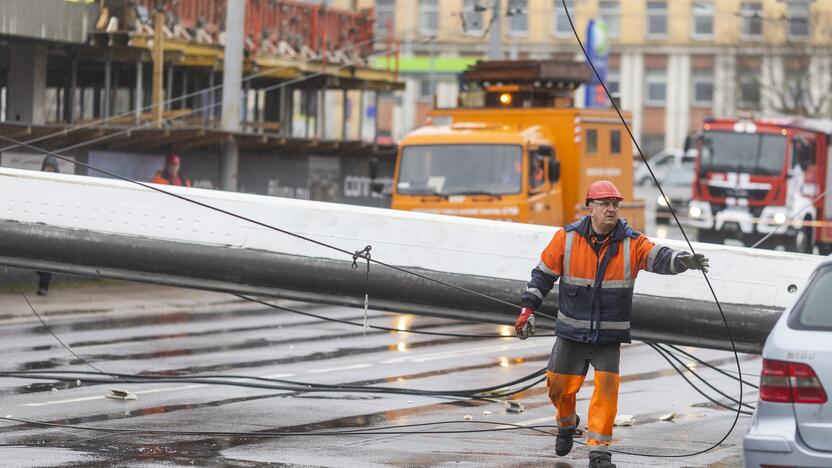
694	262
524	326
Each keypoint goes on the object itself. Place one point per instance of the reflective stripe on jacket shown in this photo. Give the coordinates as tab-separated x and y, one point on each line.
595	293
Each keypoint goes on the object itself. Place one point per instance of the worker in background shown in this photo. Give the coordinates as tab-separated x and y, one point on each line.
537	177
50	164
170	175
596	260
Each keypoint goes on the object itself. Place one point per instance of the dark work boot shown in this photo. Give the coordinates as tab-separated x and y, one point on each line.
600	459
563	442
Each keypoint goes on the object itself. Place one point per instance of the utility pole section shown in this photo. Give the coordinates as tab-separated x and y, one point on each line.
232	79
495	36
158	67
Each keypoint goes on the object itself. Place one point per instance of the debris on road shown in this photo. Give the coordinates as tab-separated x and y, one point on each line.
117	394
514	407
668	417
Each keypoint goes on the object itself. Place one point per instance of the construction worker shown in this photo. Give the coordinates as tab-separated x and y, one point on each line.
170	175
596	260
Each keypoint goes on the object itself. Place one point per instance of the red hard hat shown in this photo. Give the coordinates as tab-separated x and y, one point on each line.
601	189
171	159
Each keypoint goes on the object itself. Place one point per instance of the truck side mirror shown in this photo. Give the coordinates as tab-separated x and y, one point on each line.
554	170
691	141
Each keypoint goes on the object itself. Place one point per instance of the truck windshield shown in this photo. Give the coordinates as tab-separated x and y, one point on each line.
755	153
460	169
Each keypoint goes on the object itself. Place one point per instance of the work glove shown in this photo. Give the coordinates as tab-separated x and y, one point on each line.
694	262
524	326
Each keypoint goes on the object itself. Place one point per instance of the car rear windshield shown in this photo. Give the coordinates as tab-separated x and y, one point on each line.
814	311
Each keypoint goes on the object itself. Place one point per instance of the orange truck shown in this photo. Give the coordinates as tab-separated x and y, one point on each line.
515	149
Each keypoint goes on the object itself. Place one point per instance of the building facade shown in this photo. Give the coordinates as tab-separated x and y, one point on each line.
672	62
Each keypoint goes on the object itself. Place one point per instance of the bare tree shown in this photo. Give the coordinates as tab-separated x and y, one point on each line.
781	77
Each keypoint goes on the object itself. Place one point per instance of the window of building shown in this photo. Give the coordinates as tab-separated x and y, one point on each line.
385	17
473	17
424	89
655	95
428	17
591	141
656	20
562	27
609	11
703	87
751	16
799	20
615	142
518	17
703	20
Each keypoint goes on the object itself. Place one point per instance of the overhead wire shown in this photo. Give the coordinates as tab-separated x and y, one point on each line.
684	234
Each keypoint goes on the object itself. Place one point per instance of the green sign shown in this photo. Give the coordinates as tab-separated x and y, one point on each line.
421	64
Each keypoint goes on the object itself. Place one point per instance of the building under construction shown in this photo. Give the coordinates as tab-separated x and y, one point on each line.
121	83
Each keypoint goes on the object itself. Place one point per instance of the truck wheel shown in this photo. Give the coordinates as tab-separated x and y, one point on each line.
802	241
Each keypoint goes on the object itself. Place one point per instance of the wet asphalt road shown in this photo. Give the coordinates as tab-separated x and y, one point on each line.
135	329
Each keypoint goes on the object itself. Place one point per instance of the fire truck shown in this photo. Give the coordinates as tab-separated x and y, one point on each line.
755	176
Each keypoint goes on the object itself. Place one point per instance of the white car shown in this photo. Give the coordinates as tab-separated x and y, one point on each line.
792	425
663	163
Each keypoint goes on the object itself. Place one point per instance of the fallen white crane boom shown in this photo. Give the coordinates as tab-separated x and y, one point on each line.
114	229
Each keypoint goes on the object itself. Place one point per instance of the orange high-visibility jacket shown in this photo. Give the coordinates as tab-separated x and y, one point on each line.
159	179
595	293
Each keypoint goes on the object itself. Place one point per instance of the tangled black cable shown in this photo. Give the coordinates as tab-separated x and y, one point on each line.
502	390
684	234
384	430
378	327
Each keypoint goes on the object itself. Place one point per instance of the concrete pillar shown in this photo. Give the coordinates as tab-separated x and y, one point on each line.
771	80
108	91
26	90
820	68
320	114
677	109
231	88
632	89
725	85
138	96
345	116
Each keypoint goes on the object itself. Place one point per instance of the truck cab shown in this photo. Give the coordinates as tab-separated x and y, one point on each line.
479	170
515	149
764	175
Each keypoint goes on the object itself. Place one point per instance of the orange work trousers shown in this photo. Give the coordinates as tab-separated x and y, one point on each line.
602	407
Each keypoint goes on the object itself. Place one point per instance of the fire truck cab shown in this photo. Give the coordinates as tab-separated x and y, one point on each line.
758	175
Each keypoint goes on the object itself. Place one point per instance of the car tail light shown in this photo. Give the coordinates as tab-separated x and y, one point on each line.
790	382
